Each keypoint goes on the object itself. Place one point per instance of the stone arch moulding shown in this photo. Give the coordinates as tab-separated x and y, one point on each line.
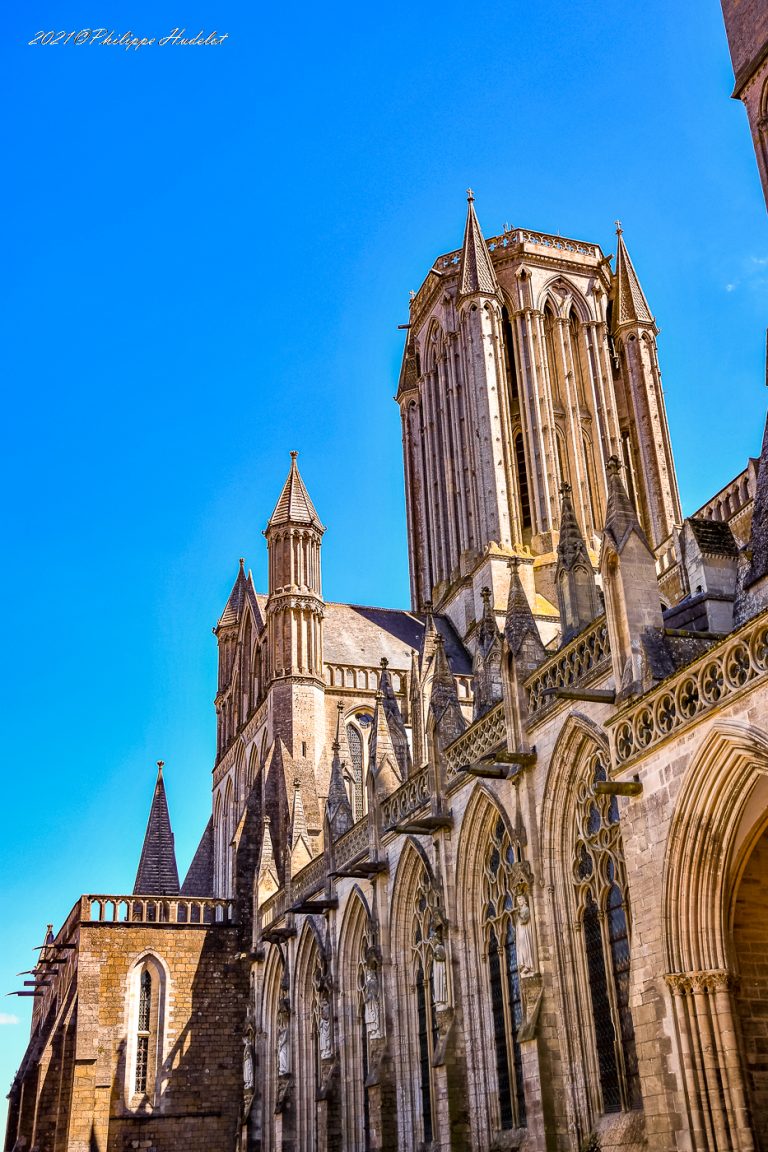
562	306
695	921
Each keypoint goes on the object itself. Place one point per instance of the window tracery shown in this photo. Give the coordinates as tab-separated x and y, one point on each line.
600	882
505	903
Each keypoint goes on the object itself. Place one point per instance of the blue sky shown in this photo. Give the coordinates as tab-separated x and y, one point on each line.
208	251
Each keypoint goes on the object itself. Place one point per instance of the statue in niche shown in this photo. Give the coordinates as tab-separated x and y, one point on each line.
371	996
324	1027
526	965
439	974
248	1078
283	1027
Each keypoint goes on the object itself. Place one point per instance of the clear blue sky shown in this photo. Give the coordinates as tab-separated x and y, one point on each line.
207	251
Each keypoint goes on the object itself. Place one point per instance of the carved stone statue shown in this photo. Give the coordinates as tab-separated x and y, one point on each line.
371	996
439	976
526	965
248	1080
324	1028
283	1049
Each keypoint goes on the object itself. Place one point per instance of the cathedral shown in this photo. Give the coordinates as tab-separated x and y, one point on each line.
490	873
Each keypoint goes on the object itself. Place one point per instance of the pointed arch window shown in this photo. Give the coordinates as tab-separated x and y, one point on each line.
426	930
501	879
601	893
358	729
146	996
553	359
574	330
522	482
509	354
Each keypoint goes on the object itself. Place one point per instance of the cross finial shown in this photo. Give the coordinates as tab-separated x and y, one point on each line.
619	228
513	563
294	455
470	195
160	764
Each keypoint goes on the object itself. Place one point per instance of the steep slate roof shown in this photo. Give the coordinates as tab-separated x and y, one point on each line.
157	874
476	272
294	505
714	537
199	878
629	303
234	605
357	634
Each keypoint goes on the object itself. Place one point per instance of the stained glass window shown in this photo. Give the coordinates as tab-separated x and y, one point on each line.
600	881
502	876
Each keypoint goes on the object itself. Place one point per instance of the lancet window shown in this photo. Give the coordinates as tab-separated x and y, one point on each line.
522	482
501	887
358	729
142	1033
429	974
369	1023
601	887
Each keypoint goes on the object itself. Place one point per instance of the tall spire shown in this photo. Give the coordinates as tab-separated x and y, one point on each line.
157	874
629	303
294	505
476	272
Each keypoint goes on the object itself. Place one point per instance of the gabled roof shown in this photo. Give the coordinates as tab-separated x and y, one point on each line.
157	874
629	303
294	505
359	634
476	272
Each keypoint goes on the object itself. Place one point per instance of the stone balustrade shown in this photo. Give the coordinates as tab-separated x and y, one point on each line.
707	683
486	735
155	910
586	658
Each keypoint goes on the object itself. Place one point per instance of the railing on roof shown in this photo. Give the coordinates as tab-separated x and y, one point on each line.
587	657
155	910
413	794
706	683
486	735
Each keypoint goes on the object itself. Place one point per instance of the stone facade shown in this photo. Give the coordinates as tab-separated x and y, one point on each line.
487	874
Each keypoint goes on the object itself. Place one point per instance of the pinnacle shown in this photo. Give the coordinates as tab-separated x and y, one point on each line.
629	303
294	505
476	272
157	873
620	515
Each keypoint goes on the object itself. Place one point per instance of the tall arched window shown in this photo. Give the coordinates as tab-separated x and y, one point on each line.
522	482
426	1031
501	863
358	729
574	330
509	355
146	998
553	357
601	893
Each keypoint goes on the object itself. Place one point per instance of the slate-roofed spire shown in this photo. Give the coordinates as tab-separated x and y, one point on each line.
158	874
476	272
629	303
294	505
620	515
234	605
520	631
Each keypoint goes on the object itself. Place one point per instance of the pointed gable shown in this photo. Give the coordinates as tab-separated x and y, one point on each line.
476	272
199	878
629	303
620	515
294	505
157	874
234	606
520	631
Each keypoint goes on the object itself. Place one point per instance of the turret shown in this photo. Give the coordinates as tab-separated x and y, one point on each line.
295	605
